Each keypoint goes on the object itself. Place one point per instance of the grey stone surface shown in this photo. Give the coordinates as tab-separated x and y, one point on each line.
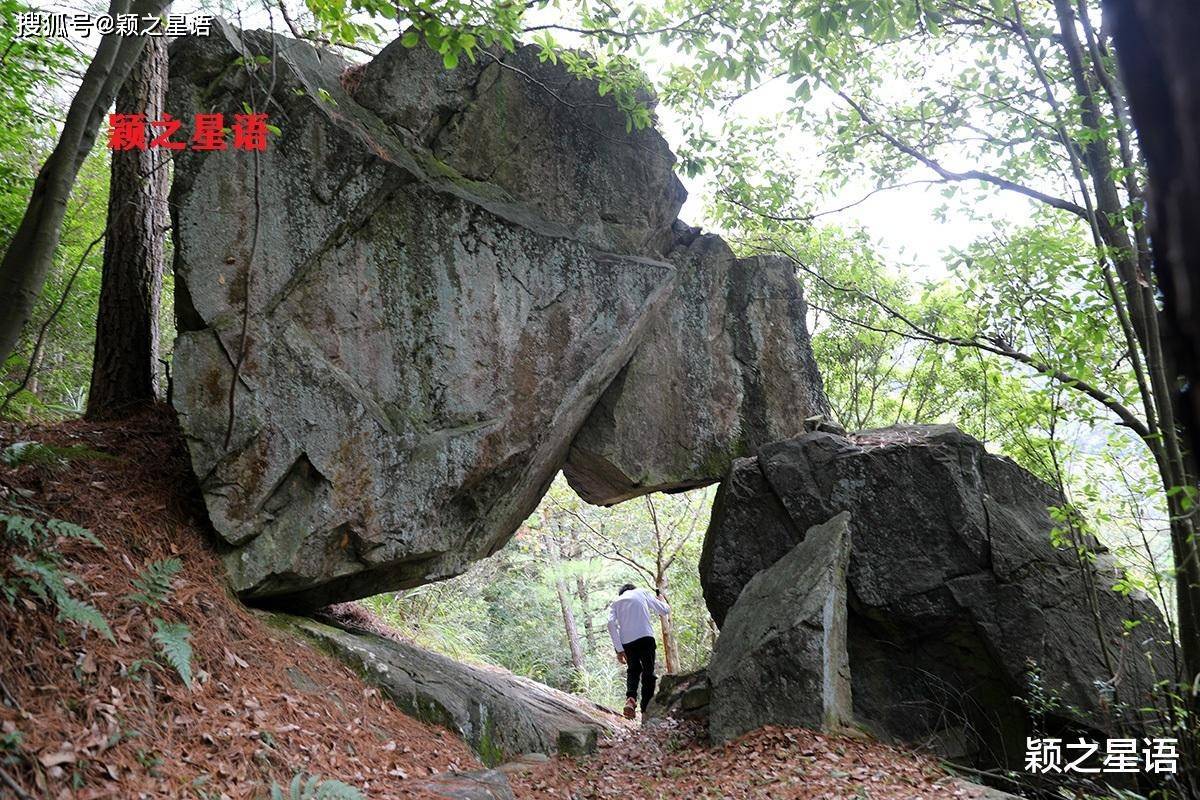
414	364
683	696
500	715
536	135
955	587
725	368
483	784
781	657
421	291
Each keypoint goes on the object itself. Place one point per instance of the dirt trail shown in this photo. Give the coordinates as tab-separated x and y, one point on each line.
670	760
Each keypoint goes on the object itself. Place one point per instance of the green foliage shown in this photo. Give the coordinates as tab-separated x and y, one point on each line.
311	787
174	646
506	610
20	454
40	571
153	583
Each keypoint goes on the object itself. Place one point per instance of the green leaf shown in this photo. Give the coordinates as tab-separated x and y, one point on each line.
70	530
153	583
22	529
174	646
450	59
83	614
410	39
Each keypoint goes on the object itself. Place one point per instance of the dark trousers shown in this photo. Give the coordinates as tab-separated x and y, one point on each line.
639	658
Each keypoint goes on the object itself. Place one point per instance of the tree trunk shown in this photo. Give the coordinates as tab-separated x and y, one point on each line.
1156	48
35	365
564	602
670	655
30	254
550	548
589	626
125	363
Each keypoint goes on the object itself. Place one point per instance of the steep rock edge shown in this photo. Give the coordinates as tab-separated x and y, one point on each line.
781	658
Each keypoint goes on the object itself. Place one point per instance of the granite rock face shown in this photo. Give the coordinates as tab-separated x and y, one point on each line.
395	321
533	134
955	591
500	715
707	383
781	657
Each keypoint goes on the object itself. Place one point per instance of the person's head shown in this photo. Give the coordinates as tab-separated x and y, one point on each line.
626	588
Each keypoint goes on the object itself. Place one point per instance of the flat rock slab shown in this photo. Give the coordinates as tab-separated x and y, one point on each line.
501	716
486	784
781	658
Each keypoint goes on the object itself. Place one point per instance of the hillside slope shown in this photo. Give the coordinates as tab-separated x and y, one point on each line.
107	718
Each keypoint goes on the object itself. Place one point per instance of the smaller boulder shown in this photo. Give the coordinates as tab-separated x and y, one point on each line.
684	696
781	658
968	628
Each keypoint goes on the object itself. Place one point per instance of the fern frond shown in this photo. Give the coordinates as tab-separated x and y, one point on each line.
336	790
153	583
23	529
316	789
83	614
47	572
69	530
37	453
172	639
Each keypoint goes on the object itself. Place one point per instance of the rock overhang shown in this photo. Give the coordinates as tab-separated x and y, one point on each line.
416	352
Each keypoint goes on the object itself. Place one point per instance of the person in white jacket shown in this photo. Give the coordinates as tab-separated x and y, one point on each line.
633	636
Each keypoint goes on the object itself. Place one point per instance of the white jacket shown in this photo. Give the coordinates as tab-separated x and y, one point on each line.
629	616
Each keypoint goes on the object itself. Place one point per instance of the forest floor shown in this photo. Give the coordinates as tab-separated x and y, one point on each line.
673	760
83	716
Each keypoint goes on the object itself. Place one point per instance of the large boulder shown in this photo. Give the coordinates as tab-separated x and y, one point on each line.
499	714
959	602
724	368
781	657
532	133
395	320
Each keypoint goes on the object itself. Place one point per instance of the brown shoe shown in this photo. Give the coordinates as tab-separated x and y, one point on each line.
630	708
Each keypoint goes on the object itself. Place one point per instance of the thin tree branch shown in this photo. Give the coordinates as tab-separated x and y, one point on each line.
969	175
995	345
